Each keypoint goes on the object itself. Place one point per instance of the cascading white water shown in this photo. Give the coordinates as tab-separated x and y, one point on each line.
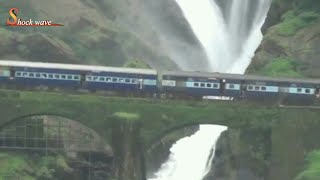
224	33
229	35
189	155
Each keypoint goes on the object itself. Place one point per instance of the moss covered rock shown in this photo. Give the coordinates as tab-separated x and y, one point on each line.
293	43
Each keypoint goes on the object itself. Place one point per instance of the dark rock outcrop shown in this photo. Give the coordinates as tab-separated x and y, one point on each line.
239	155
276	10
162	27
303	48
292	33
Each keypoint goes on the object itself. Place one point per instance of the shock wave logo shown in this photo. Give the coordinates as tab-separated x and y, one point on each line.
13	20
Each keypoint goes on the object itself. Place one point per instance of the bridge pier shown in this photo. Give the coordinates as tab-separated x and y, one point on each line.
128	149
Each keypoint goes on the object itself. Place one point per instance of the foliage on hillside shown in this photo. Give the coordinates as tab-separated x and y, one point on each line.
302	14
281	67
312	170
91	35
298	4
295	20
294	39
31	166
136	64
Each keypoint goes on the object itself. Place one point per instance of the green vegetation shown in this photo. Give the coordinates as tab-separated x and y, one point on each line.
127	116
307	5
300	5
136	64
281	67
10	164
292	21
312	171
31	166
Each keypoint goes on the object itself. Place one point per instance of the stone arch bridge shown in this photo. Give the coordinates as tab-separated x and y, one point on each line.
154	117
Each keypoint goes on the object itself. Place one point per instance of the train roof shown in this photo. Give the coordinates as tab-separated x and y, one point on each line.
152	72
239	77
76	67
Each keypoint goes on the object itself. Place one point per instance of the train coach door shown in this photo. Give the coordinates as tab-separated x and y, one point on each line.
83	78
12	73
222	86
140	83
243	88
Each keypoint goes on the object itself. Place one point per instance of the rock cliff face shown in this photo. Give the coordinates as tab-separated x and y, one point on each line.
291	44
102	32
240	155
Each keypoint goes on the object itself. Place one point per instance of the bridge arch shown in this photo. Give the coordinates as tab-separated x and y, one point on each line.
9	121
50	131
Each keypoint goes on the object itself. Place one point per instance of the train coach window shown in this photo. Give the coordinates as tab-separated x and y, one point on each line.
18	74
215	85
231	86
209	85
25	74
37	75
76	77
250	87
63	76
101	79
31	75
108	79
263	88
69	77
121	80
307	91
95	78
196	84
202	85
57	76
50	76
114	79
299	90
89	78
257	88
127	80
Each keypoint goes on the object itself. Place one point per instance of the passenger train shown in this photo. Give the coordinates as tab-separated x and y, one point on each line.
151	82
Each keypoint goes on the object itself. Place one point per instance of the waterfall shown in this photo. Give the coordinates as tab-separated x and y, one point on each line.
230	32
183	163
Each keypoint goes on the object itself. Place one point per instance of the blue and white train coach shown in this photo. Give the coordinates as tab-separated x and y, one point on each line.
30	74
258	88
295	89
195	84
190	83
121	79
